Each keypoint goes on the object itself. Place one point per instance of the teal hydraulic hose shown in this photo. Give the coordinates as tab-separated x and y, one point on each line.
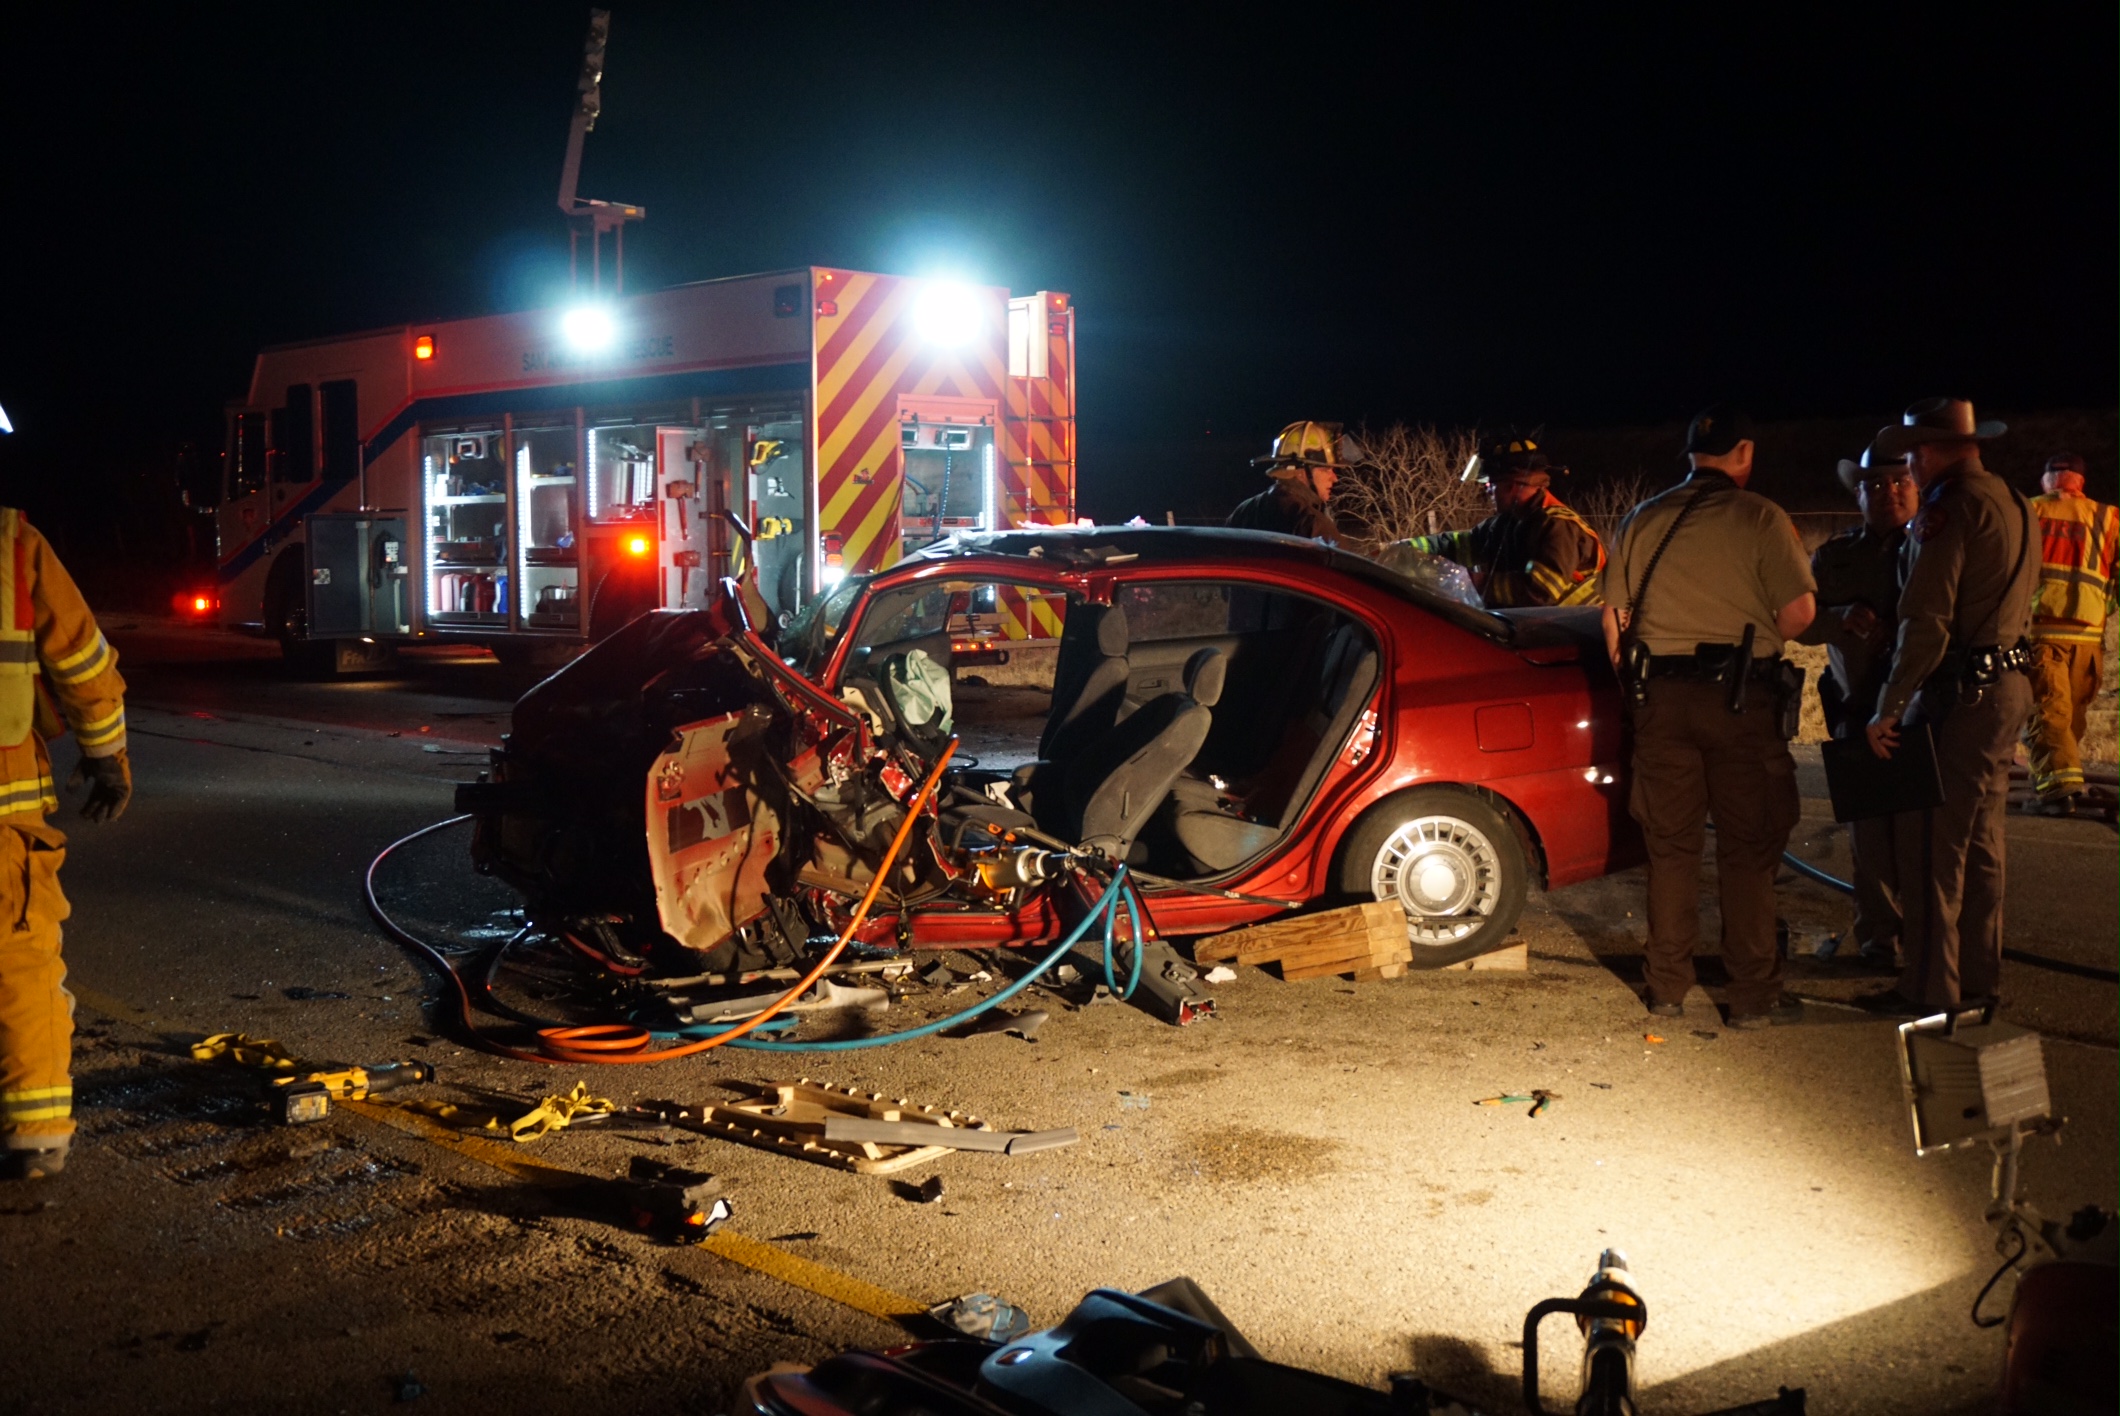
1107	906
1133	917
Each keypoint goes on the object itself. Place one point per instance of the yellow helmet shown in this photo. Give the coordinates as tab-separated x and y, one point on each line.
1312	444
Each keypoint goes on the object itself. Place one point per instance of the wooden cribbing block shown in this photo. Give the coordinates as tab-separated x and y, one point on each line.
1357	939
1516	958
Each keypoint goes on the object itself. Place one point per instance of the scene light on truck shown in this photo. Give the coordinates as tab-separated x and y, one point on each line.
947	312
423	347
636	545
589	328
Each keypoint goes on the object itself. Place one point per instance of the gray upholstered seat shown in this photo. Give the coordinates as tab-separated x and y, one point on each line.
1341	677
1111	788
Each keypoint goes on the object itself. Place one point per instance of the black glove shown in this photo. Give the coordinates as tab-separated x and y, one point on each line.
109	785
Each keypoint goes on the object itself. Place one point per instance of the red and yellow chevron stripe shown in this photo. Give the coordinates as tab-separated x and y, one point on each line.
869	355
1038	426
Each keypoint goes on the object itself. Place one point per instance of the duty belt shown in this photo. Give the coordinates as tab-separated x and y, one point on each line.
1708	664
1985	666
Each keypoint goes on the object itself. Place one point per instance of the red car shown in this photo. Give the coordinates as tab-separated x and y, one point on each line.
1250	721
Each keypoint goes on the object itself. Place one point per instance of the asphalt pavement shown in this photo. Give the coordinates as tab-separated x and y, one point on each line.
1314	1156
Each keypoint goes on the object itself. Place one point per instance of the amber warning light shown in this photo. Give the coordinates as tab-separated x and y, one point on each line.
423	347
637	545
192	602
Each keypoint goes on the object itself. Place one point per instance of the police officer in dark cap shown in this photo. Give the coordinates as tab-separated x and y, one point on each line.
1705	583
1971	568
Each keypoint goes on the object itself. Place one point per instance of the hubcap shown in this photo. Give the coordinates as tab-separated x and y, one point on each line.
1445	872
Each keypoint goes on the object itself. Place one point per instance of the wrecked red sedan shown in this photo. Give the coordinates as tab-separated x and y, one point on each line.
1251	723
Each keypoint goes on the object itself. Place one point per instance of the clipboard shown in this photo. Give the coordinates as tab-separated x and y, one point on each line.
1863	785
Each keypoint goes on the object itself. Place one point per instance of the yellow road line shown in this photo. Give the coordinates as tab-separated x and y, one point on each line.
753	1254
802	1273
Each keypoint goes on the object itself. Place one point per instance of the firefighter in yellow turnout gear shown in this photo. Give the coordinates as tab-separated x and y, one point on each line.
2079	541
47	633
1534	550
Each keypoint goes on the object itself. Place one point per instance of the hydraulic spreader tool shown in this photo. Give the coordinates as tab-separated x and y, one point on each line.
303	1099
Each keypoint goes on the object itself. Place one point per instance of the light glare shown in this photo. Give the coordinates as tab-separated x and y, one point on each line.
948	313
589	328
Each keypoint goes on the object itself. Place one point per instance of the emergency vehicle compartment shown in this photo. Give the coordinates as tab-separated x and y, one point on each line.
359	576
946	446
464	484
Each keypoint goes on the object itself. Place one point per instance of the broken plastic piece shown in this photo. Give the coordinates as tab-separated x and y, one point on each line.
983	1316
1221	973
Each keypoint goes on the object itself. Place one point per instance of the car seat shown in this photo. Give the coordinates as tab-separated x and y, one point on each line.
1339	681
1111	788
1089	680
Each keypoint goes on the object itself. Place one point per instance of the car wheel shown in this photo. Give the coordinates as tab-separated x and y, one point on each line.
1451	860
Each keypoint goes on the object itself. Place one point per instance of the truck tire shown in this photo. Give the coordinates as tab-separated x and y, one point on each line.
1451	859
286	619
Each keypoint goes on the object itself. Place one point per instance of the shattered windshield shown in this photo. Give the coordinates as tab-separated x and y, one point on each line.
808	640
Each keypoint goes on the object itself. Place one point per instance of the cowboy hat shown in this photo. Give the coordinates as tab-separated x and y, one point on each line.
1935	420
1852	473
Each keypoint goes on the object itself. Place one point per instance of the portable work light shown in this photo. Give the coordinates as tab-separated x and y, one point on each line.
1970	1078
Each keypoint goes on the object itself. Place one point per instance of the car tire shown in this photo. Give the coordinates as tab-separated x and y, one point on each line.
1452	860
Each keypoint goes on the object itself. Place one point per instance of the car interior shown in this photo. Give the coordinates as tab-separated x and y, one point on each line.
1183	728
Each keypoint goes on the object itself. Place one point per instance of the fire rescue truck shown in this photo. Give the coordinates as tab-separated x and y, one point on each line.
531	481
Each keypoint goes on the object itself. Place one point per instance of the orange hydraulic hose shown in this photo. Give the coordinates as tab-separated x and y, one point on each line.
615	1043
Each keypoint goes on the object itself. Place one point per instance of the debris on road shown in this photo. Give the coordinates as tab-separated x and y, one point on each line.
903	1133
983	1316
669	1202
827	996
1134	1101
1539	1098
1024	1024
1651	1038
791	1117
1221	973
556	1113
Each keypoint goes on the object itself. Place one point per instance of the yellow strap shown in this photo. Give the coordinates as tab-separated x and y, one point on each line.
246	1051
555	1112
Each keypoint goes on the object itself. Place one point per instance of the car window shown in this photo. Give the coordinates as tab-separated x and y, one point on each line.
808	640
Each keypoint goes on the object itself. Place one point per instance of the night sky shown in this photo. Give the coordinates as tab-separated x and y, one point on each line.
1262	214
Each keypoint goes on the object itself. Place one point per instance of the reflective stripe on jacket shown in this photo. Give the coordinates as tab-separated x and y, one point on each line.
48	633
2078	541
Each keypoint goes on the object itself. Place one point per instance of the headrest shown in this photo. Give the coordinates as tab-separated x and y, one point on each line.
1204	673
1112	638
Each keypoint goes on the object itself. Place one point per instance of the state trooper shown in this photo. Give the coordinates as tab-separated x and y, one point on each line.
1706	582
1858	616
1958	669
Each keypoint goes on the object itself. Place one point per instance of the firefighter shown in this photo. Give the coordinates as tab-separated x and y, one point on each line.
1307	459
1706	582
1534	550
47	632
1964	610
1858	614
2079	539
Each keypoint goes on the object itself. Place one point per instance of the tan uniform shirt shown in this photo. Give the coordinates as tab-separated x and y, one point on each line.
1969	577
1737	560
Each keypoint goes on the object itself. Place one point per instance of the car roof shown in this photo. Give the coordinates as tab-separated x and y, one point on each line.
1079	547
